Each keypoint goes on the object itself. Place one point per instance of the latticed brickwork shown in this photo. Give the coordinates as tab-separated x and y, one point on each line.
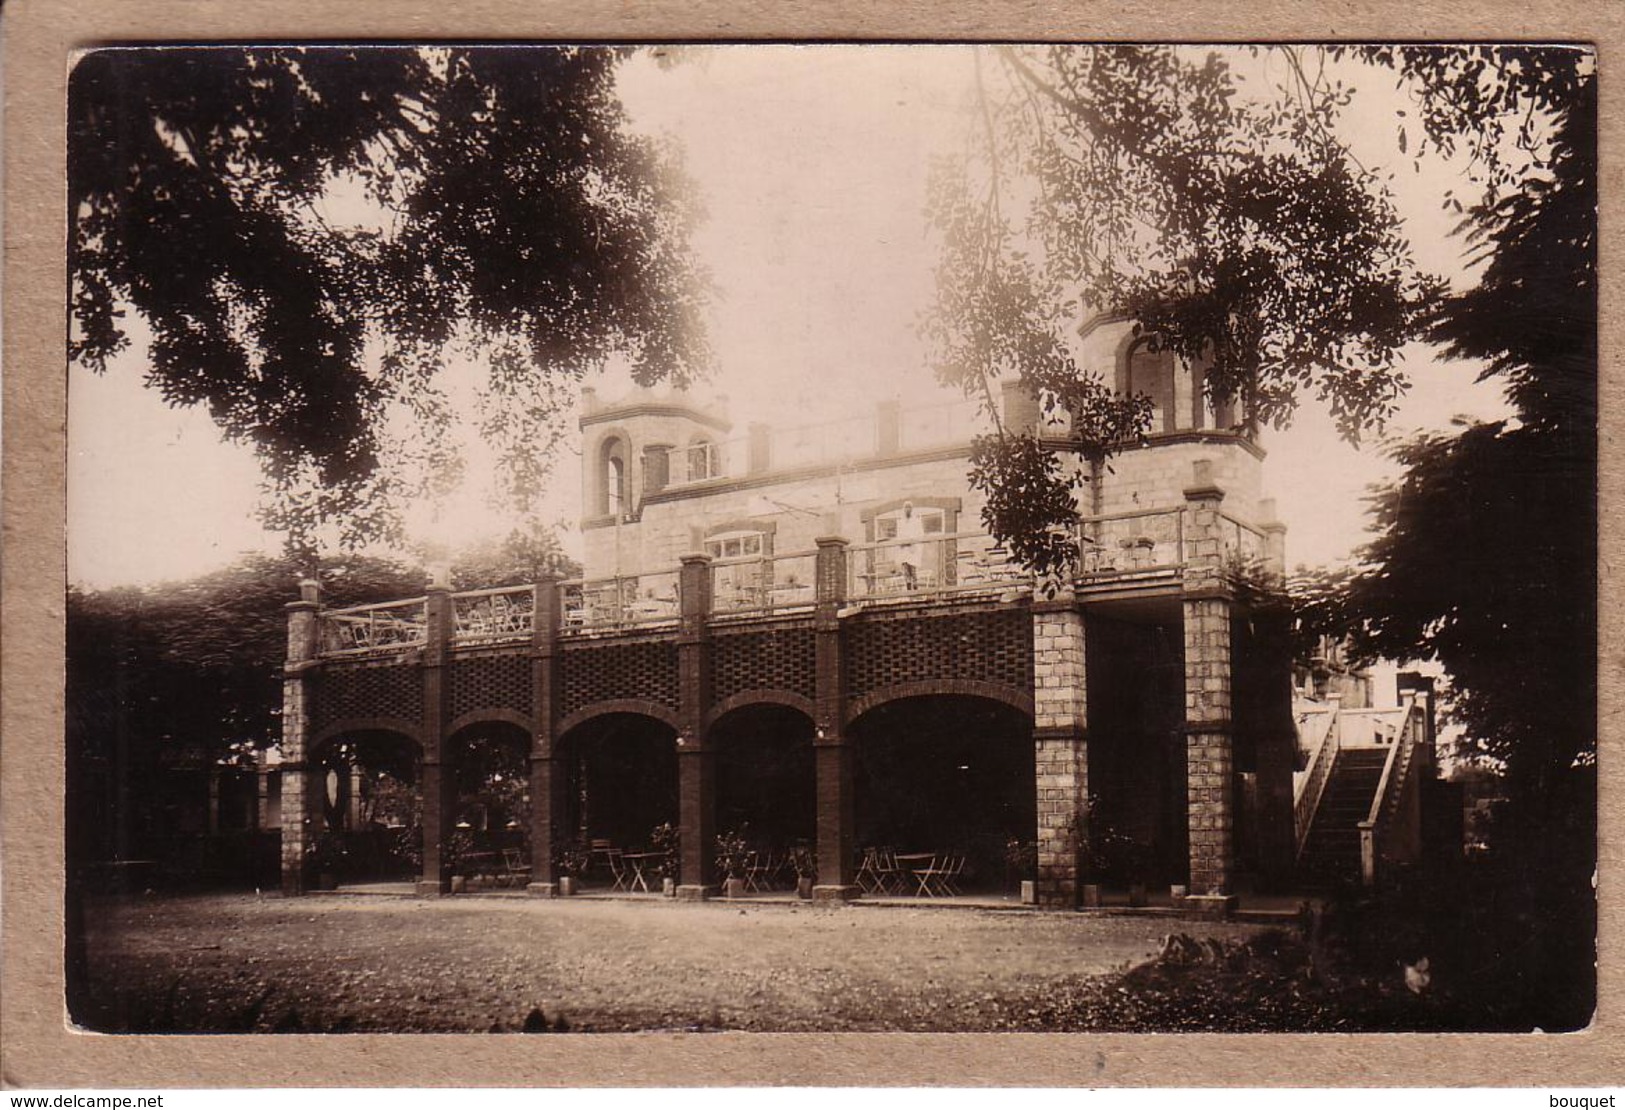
994	646
782	659
609	672
395	690
489	682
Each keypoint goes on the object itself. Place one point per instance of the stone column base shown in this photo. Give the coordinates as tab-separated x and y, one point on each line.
430	889
836	893
542	890
694	893
1208	906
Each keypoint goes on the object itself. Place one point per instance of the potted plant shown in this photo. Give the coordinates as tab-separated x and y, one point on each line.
572	860
459	847
732	851
804	861
1020	865
665	839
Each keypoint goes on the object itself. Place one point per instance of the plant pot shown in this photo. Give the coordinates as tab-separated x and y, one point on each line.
459	883
668	887
804	885
733	888
326	880
1137	895
1178	891
1029	892
567	885
1089	896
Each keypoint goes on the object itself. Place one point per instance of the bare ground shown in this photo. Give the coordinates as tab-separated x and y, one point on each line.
238	963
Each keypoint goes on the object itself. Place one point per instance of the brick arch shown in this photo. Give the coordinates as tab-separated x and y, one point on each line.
492	716
1020	700
407	729
639	706
788	698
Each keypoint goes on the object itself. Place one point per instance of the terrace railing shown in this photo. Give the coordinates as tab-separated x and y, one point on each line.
629	600
937	564
360	629
757	584
495	616
1132	544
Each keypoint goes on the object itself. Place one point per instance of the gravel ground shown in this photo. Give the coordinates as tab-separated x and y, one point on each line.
235	963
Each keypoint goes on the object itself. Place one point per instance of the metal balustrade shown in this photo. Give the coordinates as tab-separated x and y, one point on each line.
932	564
498	615
1121	544
756	584
365	628
1137	545
629	600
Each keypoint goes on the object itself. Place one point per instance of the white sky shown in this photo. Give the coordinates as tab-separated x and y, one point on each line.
812	162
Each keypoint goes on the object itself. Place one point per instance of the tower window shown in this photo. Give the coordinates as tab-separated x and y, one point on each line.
612	471
1150	372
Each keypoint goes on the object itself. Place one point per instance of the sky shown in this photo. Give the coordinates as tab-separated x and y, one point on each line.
812	162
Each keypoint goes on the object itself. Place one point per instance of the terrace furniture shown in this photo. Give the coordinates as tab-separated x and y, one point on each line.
908	866
637	879
514	868
761	868
941	878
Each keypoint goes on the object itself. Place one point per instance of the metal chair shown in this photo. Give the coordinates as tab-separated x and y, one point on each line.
514	867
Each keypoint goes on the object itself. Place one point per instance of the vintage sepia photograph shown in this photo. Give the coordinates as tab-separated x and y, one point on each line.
836	538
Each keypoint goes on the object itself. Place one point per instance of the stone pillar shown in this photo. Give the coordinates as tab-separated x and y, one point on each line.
837	820
1209	757
303	628
696	771
1061	750
438	784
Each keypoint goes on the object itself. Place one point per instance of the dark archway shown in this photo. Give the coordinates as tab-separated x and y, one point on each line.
1137	747
491	785
766	778
367	807
621	771
948	773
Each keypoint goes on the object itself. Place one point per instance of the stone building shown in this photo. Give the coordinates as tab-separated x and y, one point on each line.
801	638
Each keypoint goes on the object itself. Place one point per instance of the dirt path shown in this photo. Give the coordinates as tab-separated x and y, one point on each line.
234	963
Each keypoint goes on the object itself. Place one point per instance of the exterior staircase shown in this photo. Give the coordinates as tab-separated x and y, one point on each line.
1331	853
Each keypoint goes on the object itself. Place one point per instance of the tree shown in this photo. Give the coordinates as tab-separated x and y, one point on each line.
1483	553
313	236
1138	181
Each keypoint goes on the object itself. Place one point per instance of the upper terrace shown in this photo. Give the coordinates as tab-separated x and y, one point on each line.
1143	552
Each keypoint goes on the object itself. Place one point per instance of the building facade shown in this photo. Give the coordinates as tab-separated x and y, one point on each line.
802	637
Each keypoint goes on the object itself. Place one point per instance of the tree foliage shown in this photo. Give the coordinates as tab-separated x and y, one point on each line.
312	236
1483	554
1140	181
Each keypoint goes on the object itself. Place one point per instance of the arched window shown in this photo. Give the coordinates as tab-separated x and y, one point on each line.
1150	371
1224	411
612	499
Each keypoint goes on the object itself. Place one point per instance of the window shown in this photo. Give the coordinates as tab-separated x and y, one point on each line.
734	545
704	461
612	494
1150	372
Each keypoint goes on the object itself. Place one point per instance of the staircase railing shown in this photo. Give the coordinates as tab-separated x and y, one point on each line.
1321	757
1393	790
